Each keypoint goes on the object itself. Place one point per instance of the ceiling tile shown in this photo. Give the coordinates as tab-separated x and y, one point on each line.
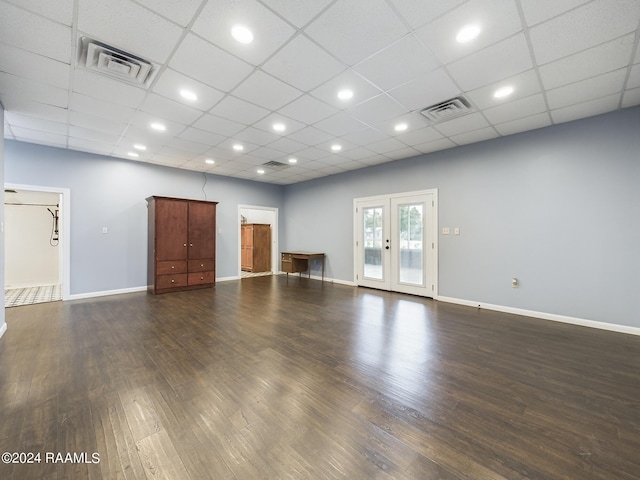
239	111
406	152
504	59
585	90
247	147
100	124
479	135
594	23
631	98
23	63
164	108
312	153
523	107
103	109
60	11
288	146
468	123
181	12
397	64
203	61
634	77
34	123
340	29
91	146
362	90
36	91
523	124
376	110
310	136
586	109
425	91
365	136
435	145
170	83
524	85
418	12
537	11
303	64
58	37
498	19
270	32
340	124
25	105
107	89
202	136
419	136
588	63
143	121
93	135
412	121
266	91
219	125
39	137
188	146
308	110
267	123
385	146
256	136
129	27
267	153
296	12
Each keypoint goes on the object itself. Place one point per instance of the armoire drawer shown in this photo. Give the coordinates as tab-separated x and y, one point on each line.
171	267
204	265
202	278
170	281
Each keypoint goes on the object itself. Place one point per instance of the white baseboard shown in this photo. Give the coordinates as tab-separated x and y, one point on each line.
79	296
326	279
545	316
227	279
3	329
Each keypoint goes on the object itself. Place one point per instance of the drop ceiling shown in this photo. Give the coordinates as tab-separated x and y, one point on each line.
563	60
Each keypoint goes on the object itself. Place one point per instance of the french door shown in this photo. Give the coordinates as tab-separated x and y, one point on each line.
395	246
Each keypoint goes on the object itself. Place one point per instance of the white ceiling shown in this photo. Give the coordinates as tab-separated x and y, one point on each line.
565	59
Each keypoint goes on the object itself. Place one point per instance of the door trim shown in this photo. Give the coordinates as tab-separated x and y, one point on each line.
435	236
275	256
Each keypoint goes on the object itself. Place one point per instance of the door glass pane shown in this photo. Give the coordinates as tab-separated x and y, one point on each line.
410	240
373	243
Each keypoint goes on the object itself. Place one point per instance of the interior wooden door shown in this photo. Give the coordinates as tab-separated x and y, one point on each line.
202	230
246	258
171	221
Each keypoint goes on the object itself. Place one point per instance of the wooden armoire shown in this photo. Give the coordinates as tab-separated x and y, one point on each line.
255	246
181	244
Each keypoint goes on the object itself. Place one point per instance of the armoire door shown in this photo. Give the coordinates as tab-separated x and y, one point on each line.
171	218
202	226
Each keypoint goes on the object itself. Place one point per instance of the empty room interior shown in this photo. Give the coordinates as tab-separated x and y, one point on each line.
280	239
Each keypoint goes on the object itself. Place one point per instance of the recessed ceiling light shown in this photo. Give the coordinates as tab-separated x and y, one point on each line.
158	126
133	154
238	148
242	34
345	94
139	146
468	33
503	92
210	161
260	171
279	127
336	147
401	127
293	160
188	95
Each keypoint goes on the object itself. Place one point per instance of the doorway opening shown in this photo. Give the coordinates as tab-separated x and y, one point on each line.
258	241
396	242
37	267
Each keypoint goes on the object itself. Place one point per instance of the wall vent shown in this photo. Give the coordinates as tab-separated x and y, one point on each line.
452	108
113	62
276	165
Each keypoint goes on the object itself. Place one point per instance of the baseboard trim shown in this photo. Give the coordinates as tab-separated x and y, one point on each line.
545	316
105	293
3	329
319	277
227	279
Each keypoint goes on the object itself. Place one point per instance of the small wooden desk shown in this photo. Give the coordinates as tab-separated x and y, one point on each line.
298	262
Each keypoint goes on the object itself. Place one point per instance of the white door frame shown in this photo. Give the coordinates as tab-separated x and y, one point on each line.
275	263
434	234
65	237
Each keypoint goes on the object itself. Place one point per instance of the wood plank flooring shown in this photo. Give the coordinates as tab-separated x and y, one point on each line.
269	378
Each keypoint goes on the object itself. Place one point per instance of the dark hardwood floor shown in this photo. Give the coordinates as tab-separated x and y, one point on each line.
274	378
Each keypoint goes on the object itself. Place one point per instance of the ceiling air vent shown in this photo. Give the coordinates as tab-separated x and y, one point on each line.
440	112
113	62
276	165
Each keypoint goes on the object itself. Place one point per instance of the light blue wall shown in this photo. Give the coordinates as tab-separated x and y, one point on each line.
2	317
111	192
558	208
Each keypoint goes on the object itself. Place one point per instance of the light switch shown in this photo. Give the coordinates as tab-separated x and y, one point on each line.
456	231
445	230
105	230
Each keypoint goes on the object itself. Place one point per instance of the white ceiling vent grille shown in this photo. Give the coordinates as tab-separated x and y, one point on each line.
276	165
440	112
113	62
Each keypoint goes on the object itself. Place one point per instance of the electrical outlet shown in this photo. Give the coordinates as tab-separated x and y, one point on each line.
445	230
